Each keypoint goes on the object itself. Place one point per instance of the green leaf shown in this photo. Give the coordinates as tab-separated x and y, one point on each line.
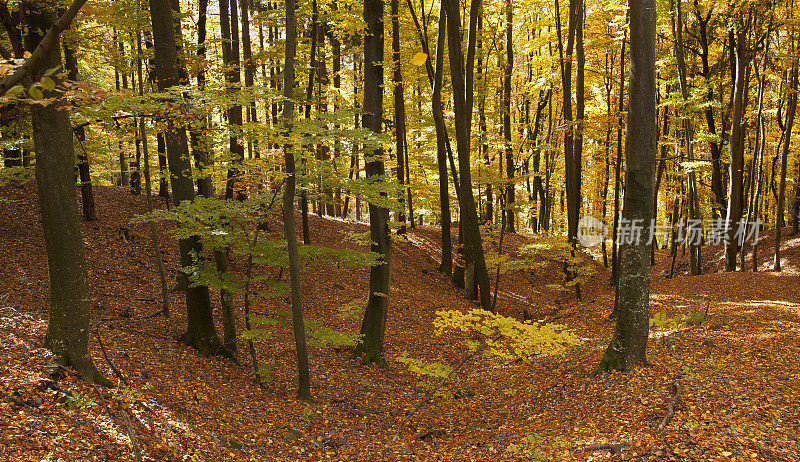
35	93
48	83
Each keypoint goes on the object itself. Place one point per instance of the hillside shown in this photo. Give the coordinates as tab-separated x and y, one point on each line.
739	373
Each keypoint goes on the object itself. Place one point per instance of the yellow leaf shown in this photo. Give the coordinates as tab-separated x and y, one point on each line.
419	59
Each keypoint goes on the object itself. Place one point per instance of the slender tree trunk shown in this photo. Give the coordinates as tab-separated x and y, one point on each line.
629	343
436	78
298	326
399	111
791	109
233	186
373	326
462	74
87	193
618	171
509	149
735	187
162	277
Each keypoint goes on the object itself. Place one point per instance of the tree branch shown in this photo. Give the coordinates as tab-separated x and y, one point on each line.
31	66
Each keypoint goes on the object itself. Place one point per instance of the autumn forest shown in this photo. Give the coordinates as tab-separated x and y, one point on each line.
399	230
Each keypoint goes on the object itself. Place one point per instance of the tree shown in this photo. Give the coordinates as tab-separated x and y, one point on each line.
628	345
509	212
87	193
69	307
304	387
791	109
462	74
200	332
399	109
373	326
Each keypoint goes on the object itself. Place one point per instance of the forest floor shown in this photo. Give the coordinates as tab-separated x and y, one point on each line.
739	373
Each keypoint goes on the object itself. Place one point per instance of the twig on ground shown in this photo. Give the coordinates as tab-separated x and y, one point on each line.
676	386
110	364
137	452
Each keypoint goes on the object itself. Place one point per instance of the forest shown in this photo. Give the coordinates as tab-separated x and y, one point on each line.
399	230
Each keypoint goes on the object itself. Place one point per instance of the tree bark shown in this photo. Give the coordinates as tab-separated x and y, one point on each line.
791	109
200	332
87	193
69	305
735	186
373	326
298	326
399	112
629	343
462	74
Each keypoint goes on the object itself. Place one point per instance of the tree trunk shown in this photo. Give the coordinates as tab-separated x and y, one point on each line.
399	111
69	305
629	343
791	108
298	326
230	36
735	187
461	72
148	189
509	149
373	326
87	193
200	332
435	78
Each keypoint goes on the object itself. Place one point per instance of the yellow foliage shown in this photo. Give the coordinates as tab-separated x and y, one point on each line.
506	337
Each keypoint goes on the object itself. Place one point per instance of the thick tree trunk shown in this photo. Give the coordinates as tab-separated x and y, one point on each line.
373	326
69	305
629	343
200	332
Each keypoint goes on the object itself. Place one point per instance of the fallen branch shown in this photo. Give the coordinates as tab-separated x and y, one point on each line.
676	386
31	65
137	452
431	393
108	361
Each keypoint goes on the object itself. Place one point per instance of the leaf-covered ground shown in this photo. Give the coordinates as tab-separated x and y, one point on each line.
739	373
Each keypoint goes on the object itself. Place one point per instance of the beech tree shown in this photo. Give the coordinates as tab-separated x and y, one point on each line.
373	326
69	305
200	332
629	343
298	326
